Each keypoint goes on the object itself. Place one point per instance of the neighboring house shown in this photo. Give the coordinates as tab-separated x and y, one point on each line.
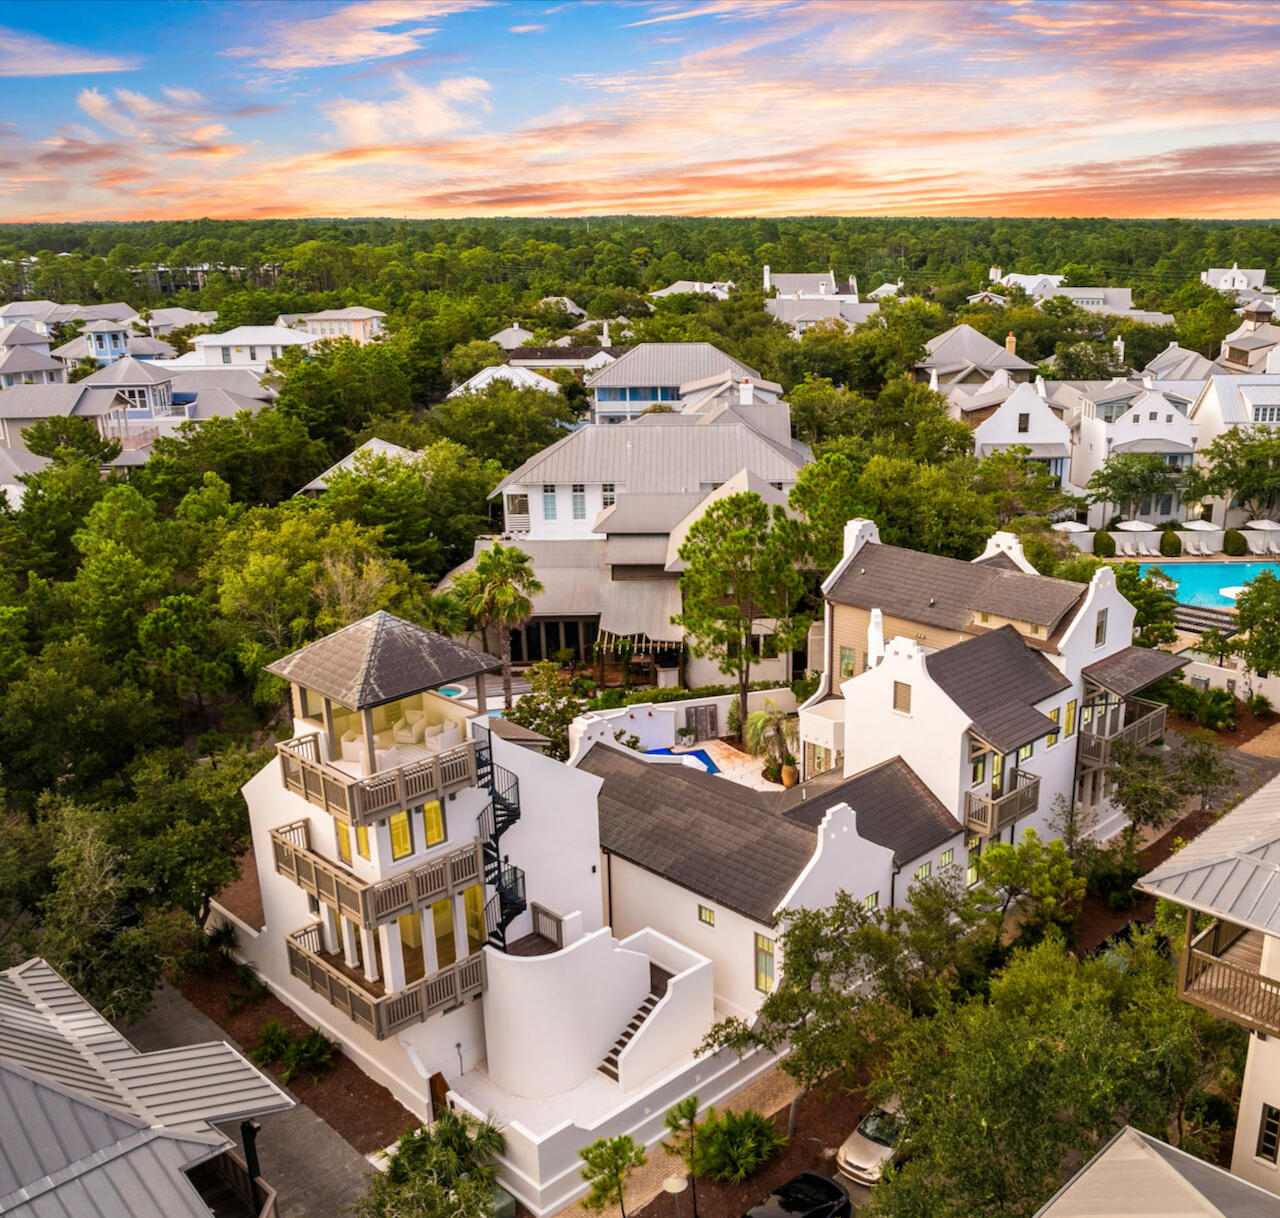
93	1128
1248	347
511	337
1137	1176
105	341
805	285
16	462
564	304
695	287
885	291
370	448
1110	302
1002	689
430	893
1036	286
1027	420
1235	280
1176	363
44	316
245	346
521	378
1230	874
565	355
159	322
24	404
31	313
1226	401
146	387
986	296
801	313
357	323
27	365
20	334
962	356
651	374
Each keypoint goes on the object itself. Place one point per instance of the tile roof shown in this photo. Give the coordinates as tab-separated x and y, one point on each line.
1132	668
947	592
378	659
894	807
703	832
668	364
996	679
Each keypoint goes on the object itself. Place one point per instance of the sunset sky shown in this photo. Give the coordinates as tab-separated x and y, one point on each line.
700	107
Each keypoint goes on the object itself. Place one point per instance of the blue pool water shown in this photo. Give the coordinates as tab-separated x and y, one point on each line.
1201	583
449	691
701	754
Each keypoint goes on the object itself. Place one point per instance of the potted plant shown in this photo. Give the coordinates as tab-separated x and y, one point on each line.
685	736
770	733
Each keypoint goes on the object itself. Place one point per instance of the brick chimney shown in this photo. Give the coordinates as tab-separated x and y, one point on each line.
1011	344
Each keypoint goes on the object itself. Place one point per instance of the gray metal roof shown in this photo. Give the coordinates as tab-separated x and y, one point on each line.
18	334
129	371
1137	1176
947	592
894	809
963	345
1232	870
49	401
221	404
378	659
659	457
668	364
187	379
790	310
1228	391
373	448
996	679
1133	668
803	281
640	513
26	359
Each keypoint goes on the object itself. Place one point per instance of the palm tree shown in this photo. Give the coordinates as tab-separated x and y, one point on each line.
442	611
499	596
771	733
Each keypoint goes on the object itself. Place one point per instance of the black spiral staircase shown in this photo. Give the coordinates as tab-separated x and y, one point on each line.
500	813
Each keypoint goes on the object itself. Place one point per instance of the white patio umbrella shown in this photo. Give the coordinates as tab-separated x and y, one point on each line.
1070	526
1135	526
1264	526
1200	526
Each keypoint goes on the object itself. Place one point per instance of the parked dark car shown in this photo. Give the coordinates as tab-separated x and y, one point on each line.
808	1195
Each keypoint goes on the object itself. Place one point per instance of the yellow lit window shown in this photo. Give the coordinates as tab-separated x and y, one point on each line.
442	928
362	841
1069	722
924	871
948	857
764	964
433	822
473	902
871	900
1052	738
401	835
343	835
706	915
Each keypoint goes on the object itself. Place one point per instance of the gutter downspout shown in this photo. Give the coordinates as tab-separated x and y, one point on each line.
608	881
893	884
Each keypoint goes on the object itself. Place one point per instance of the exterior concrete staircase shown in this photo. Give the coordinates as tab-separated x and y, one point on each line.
658	978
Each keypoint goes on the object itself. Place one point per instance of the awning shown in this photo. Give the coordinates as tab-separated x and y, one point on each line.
641	609
1132	669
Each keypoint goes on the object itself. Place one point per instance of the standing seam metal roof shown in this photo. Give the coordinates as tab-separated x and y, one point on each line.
668	364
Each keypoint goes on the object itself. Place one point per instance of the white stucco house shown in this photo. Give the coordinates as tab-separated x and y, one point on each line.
358	323
1236	279
1026	419
245	346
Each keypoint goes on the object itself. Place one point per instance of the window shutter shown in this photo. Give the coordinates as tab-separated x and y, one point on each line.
902	697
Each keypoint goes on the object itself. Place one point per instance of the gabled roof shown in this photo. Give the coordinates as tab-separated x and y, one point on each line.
668	364
963	345
1234	395
373	448
220	403
894	808
1232	870
26	359
129	371
255	336
995	679
239	380
378	659
350	313
1130	669
19	334
512	374
1137	1176
48	401
135	344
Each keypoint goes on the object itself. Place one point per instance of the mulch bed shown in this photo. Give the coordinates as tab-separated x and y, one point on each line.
1248	725
827	1115
346	1098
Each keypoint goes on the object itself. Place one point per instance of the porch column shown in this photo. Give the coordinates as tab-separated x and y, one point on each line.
430	957
328	929
392	958
335	745
366	721
350	943
460	947
482	695
369	953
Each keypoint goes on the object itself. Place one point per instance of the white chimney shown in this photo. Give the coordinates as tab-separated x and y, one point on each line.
1148	381
857	532
745	392
1119	346
994	274
767	284
1041	388
933	379
875	639
604	335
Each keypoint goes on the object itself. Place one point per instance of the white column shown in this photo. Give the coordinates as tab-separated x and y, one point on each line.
329	929
369	954
350	943
392	959
460	929
430	957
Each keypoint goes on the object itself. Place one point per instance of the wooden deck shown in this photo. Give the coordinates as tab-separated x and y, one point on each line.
532	945
1221	972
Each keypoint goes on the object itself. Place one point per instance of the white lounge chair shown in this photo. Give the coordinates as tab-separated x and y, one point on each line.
1147	550
1256	542
1127	549
1273	547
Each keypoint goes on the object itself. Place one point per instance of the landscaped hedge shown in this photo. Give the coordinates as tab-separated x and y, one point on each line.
1234	544
1170	544
1104	545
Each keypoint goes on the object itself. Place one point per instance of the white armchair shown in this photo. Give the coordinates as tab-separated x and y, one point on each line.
411	728
352	746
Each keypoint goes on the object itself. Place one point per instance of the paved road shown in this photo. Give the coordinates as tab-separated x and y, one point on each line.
316	1172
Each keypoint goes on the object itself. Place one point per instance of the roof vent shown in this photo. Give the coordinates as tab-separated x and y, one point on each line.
862	570
932	601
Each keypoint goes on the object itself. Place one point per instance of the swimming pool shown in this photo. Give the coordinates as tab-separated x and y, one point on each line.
701	754
1204	583
450	691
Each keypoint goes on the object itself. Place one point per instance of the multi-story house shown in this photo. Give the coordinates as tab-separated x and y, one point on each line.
1227	401
1236	279
962	356
1249	347
1003	690
1036	286
25	404
720	289
1025	420
158	322
807	286
1111	302
1228	880
357	323
25	359
650	375
1176	363
94	1128
801	313
104	342
245	346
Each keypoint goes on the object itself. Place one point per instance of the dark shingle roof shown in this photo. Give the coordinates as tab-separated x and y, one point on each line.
894	808
946	592
378	659
996	679
706	834
1132	669
518	354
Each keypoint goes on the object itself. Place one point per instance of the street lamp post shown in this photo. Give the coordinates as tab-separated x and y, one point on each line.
675	1185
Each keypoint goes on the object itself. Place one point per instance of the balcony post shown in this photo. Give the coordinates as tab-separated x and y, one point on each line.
430	957
370	749
328	929
481	693
392	956
461	945
1184	963
335	746
369	953
350	943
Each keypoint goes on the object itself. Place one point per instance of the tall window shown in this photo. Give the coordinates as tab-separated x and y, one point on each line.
401	835
253	353
226	355
973	846
948	857
1024	753
1024	424
1052	738
764	964
1100	628
548	502
1269	1133
978	771
343	834
473	904
848	662
362	841
1069	722
442	932
706	915
902	697
579	501
433	822
608	494
924	871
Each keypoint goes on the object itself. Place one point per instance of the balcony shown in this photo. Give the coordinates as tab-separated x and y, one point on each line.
518	522
362	799
1220	971
987	815
1131	721
367	904
379	1013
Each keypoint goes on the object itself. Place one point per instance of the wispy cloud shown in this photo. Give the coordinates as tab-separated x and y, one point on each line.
416	111
526	29
23	54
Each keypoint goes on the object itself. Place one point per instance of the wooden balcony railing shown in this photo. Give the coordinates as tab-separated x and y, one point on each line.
230	1171
371	904
384	1015
1133	721
1220	971
361	800
548	925
987	816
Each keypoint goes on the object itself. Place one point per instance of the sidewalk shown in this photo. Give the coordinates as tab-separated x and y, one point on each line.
315	1171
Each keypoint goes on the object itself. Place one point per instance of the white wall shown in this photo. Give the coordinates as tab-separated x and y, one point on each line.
550	1020
1261	1086
842	861
1000	430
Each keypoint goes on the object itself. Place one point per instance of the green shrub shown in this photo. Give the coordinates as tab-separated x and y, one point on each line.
273	1043
312	1054
611	699
250	989
1104	545
1259	704
1170	544
805	687
1217	710
1234	544
1111	873
733	1146
1124	898
1177	695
